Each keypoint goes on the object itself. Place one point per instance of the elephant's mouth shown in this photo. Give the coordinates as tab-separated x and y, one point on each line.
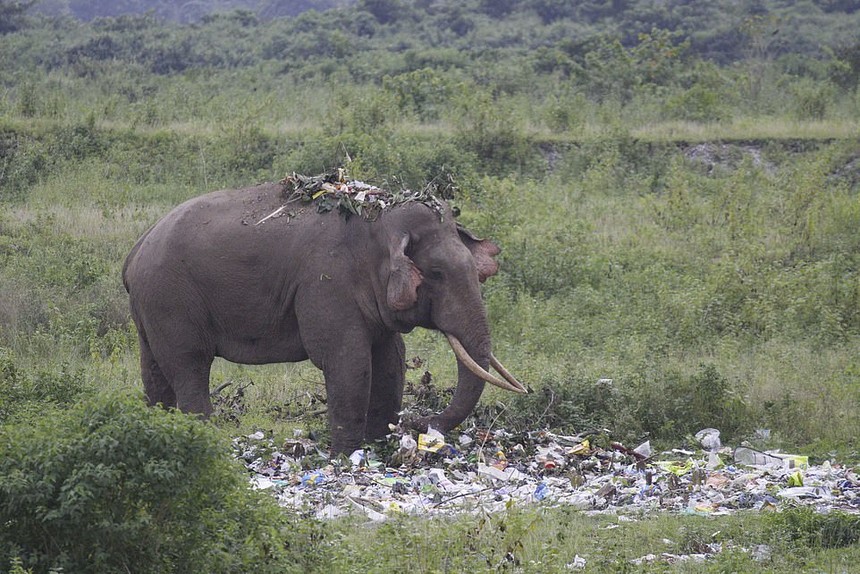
510	383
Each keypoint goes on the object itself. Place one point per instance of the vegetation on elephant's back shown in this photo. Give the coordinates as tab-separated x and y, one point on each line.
333	189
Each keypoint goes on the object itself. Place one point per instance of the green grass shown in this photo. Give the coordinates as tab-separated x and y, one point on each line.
549	540
627	261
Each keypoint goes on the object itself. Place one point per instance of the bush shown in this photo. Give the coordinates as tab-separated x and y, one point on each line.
573	404
673	406
425	92
812	99
23	159
492	134
660	405
699	104
115	486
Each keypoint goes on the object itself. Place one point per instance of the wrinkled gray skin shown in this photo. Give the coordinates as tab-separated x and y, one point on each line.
208	281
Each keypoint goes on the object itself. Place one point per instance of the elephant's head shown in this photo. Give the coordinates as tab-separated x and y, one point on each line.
432	276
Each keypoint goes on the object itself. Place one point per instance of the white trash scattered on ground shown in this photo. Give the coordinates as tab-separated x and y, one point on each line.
489	471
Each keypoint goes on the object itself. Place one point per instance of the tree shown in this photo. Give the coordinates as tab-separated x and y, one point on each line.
12	14
385	11
844	66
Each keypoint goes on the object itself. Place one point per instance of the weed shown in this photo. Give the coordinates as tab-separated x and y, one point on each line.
809	528
24	393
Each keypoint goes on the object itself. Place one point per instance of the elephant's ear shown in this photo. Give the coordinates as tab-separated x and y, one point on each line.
403	278
484	252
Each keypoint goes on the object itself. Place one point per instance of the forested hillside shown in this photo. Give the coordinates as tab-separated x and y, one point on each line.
505	73
178	11
675	187
716	29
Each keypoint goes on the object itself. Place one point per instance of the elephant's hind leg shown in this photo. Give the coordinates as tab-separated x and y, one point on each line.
190	372
155	385
386	391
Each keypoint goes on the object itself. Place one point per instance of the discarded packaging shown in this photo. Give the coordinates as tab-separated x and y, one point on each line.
431	441
709	439
795	479
644	449
753	457
492	470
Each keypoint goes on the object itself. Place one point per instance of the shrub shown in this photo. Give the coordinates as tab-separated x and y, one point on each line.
425	92
573	404
23	159
23	392
810	528
493	134
114	486
812	99
699	103
244	150
661	405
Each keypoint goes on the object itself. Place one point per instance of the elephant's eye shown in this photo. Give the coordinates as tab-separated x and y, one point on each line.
435	274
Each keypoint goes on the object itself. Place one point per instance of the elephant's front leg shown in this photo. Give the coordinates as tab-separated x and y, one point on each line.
386	387
336	341
347	381
348	391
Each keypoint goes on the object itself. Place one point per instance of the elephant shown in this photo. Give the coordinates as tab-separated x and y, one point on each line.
217	276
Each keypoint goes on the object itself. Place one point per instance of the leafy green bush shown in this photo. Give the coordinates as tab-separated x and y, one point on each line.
673	406
661	405
114	486
424	92
493	134
700	104
812	99
244	151
573	404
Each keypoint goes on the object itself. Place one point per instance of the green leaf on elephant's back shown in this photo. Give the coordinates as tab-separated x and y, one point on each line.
325	204
349	206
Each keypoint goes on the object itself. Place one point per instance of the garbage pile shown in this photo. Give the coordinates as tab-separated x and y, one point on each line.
491	470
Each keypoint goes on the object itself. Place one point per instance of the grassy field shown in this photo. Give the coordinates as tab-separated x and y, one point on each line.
550	540
689	233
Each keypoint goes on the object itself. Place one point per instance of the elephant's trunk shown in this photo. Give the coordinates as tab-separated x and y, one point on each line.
473	359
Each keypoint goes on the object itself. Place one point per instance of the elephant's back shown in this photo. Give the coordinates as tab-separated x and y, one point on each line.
195	221
232	225
224	208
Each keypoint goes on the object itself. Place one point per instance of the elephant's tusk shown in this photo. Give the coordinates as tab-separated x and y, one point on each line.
473	366
500	368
